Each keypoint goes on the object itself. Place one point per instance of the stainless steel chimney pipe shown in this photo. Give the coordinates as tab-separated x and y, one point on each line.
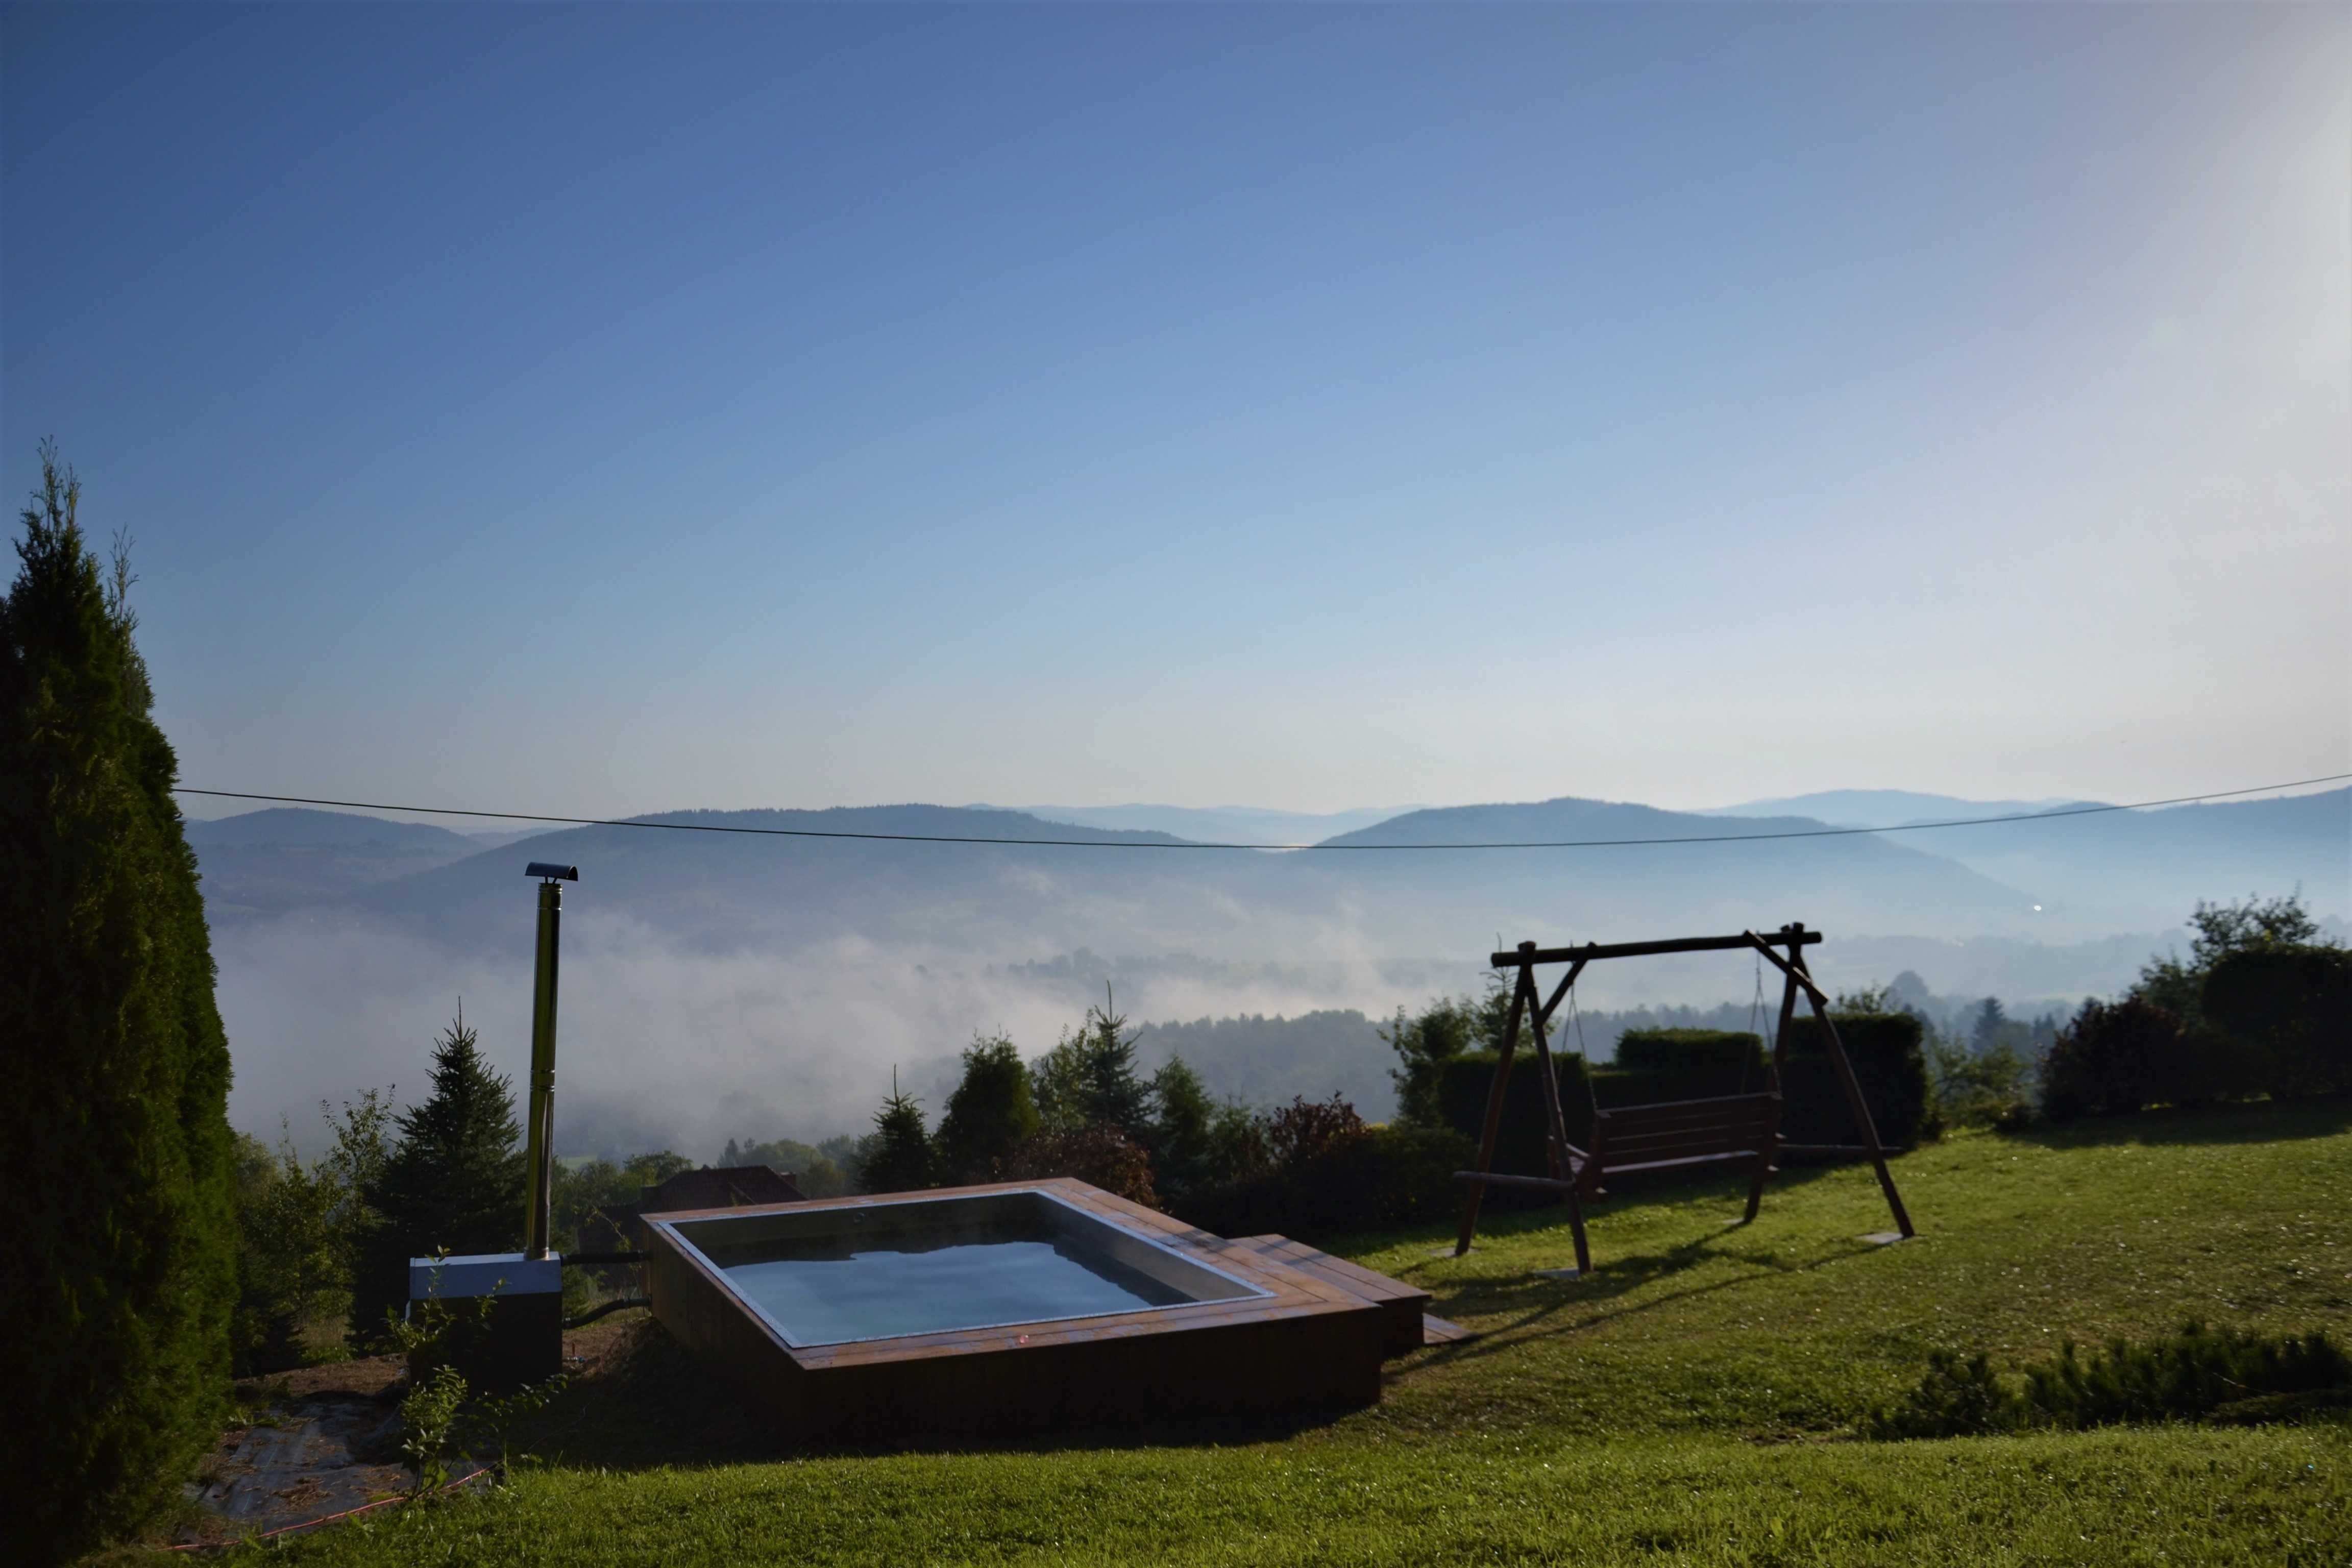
538	1201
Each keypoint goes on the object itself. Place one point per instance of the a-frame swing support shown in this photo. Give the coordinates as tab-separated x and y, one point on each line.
1572	1170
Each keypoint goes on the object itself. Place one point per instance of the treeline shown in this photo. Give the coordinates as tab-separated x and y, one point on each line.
2260	1007
1085	1110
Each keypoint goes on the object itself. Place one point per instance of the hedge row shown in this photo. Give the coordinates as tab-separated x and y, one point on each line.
1655	1065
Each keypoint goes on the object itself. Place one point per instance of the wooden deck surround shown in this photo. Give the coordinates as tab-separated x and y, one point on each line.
1314	1343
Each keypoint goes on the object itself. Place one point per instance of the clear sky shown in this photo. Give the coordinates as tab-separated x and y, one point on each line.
612	409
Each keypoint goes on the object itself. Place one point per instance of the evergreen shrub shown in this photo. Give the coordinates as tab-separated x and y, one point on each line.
2199	1373
454	1181
1889	1062
991	1112
2286	1011
899	1155
1705	1058
114	1135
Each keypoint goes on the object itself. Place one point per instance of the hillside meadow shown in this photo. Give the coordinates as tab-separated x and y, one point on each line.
1693	1402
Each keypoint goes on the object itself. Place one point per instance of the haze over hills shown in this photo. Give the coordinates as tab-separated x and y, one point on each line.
2139	861
266	862
721	985
1881	807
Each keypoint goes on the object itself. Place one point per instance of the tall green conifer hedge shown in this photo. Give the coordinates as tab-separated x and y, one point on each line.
115	1149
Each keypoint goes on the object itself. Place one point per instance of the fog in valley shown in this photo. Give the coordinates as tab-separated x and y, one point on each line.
719	986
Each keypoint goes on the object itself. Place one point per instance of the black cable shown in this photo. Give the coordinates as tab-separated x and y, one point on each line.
1192	844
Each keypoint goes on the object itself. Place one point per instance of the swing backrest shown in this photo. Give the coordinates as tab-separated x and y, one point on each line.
1684	1132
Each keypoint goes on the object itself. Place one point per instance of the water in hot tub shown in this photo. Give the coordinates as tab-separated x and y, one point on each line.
908	1288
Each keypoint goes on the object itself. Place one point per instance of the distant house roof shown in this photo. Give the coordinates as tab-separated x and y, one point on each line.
719	1187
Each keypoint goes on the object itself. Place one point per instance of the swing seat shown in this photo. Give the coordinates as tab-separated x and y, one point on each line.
1674	1133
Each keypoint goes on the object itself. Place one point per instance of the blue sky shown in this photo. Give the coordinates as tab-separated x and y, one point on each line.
611	409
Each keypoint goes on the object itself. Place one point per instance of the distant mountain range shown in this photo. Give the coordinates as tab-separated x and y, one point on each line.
2071	878
268	862
720	984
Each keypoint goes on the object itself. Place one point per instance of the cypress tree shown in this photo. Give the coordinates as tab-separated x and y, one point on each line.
114	1135
455	1180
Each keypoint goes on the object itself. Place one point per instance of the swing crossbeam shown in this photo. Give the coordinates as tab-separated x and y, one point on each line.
1792	938
1668	1134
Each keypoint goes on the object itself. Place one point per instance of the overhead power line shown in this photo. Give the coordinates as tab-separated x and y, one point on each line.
1194	844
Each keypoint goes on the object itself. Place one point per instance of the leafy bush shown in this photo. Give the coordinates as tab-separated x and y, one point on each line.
1986	1087
2252	924
2117	1057
2199	1373
428	1418
299	1228
2260	1006
287	1270
441	1409
1102	1156
1320	1170
1426	1042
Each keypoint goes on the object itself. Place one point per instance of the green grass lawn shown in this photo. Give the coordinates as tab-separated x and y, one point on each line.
1691	1402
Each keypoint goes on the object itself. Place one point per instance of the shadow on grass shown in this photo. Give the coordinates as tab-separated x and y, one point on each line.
1591	1295
1614	1277
2263	1121
653	1406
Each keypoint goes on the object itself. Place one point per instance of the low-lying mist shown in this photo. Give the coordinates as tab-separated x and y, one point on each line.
662	1045
667	1045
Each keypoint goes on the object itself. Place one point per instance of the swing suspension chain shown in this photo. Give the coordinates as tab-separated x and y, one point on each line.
1755	1019
1583	1061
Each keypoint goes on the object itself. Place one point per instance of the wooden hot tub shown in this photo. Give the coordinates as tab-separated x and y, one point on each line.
979	1312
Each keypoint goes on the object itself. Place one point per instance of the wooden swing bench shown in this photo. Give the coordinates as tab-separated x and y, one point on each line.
1666	1135
1676	1134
